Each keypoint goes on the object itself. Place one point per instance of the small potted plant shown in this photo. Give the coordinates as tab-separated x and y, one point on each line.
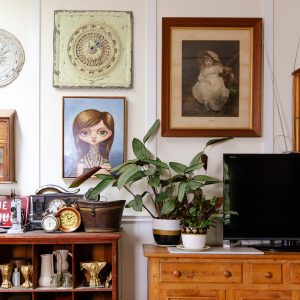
198	215
167	185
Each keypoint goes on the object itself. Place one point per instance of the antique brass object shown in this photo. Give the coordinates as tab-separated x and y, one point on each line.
27	272
94	267
6	270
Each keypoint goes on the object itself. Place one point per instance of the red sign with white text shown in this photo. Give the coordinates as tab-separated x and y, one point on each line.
5	209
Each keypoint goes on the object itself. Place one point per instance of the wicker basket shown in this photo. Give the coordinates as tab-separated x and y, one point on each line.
101	216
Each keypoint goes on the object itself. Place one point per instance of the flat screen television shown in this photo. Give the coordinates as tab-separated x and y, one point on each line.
265	191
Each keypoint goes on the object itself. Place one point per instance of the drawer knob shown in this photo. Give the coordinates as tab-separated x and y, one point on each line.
176	273
227	274
268	275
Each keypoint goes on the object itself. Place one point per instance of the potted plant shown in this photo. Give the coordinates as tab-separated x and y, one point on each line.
198	215
167	185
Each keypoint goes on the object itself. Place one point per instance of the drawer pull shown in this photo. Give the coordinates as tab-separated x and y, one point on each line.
176	273
268	275
227	274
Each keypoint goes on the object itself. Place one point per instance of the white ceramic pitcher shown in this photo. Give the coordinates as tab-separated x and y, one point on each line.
62	264
47	270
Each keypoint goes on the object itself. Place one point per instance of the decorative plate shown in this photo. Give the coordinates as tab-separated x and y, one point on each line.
11	57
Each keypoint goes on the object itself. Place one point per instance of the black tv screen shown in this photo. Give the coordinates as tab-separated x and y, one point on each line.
265	191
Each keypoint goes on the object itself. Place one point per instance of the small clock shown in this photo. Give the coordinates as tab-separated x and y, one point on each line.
70	219
55	204
50	223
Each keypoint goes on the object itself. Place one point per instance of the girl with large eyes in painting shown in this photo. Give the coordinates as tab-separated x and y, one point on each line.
93	133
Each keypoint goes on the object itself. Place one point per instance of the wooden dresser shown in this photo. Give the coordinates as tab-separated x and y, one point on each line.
222	276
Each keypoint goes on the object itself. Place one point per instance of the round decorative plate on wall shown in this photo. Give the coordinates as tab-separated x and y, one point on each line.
11	57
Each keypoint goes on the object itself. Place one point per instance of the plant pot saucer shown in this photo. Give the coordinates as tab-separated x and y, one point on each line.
164	246
180	247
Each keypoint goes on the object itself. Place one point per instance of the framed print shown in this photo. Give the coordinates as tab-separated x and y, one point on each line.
211	77
93	134
92	49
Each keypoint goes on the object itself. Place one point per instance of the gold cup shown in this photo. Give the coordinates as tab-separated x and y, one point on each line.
94	267
27	272
6	271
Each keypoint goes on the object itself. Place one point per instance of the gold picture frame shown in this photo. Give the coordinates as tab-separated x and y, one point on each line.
93	49
227	102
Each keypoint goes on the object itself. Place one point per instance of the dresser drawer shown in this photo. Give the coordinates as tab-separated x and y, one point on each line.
295	272
266	273
201	272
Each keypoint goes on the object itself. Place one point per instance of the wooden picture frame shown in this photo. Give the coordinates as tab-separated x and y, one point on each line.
94	133
224	100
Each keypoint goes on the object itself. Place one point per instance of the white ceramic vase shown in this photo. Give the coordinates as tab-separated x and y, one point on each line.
193	238
166	232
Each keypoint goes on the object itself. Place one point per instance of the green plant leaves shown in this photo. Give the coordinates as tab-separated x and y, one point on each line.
154	128
124	177
92	193
215	141
139	149
168	206
206	179
177	167
136	203
181	191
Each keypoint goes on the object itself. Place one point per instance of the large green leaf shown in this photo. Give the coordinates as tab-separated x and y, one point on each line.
104	176
154	128
177	167
196	159
136	203
140	150
136	176
193	168
150	171
166	194
215	141
124	178
181	191
118	167
83	177
206	179
92	193
156	163
193	185
168	207
154	181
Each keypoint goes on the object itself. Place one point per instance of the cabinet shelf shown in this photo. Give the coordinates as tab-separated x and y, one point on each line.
84	246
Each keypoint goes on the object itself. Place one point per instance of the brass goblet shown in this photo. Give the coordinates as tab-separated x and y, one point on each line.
94	267
6	270
27	272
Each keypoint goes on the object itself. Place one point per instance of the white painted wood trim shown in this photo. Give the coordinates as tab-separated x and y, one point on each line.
35	50
268	90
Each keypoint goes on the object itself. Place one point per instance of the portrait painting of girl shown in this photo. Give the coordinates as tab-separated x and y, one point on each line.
93	134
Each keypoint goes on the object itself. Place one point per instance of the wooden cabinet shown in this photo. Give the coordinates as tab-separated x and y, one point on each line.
222	276
83	246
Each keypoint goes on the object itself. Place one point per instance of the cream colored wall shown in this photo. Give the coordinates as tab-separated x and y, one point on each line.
39	105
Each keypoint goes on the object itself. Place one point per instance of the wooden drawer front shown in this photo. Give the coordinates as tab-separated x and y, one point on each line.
201	272
266	273
295	273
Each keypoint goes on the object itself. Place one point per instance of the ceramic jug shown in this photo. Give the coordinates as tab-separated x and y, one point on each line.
47	270
62	264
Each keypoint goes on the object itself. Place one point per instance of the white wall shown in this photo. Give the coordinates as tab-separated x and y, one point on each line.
39	105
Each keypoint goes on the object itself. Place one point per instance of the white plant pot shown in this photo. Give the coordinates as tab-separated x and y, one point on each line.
166	232
193	240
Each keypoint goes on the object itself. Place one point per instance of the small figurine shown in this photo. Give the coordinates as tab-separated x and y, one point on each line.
108	280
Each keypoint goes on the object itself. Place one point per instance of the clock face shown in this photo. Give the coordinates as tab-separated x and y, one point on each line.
55	205
70	219
50	223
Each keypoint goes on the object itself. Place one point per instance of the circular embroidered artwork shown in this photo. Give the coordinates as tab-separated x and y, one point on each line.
94	49
11	57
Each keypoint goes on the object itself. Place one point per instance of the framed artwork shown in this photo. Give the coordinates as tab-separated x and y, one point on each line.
211	77
92	49
94	134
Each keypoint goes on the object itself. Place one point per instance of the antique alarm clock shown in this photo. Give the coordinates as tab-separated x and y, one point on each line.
69	217
50	198
50	222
